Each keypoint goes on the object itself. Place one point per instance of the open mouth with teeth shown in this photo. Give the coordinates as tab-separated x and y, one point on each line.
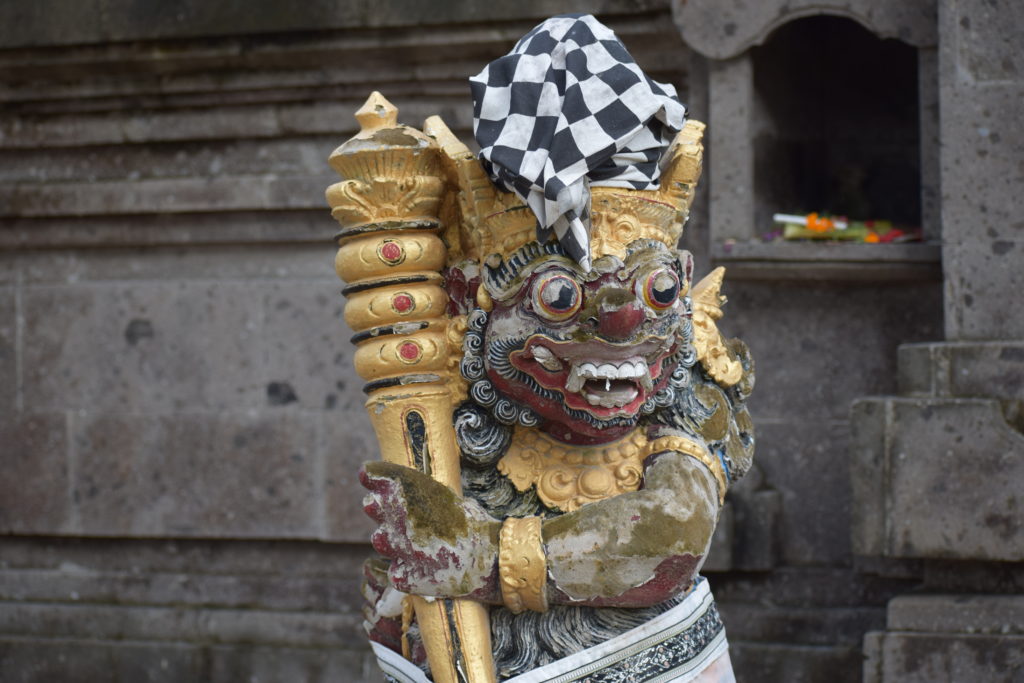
606	380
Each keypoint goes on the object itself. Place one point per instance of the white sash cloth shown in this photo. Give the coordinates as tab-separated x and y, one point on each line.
610	653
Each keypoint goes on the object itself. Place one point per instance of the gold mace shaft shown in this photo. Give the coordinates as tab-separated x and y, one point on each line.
408	348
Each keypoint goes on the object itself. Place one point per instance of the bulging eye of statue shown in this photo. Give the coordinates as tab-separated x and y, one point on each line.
661	289
557	297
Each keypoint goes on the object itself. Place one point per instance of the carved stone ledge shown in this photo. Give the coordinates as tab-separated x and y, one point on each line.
967	638
963	370
829	261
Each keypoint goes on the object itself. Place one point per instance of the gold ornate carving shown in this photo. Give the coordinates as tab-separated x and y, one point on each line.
712	350
682	168
522	565
356	202
389	253
619	217
391	256
383	148
568	477
391	172
483	298
456	332
392	304
490	221
392	355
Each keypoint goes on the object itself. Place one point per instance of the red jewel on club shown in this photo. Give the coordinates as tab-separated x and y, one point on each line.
391	252
409	351
402	303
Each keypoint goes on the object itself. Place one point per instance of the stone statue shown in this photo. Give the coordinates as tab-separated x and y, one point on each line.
558	414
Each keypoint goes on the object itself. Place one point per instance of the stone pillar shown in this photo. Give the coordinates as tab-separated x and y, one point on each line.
937	470
981	85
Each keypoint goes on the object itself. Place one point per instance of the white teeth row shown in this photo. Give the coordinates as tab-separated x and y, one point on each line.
615	399
635	370
626	370
543	355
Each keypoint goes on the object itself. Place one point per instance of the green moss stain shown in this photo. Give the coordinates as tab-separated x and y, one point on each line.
612	297
659	533
562	525
717	426
434	511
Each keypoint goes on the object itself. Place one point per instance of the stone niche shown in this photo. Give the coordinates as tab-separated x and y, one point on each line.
836	121
827	106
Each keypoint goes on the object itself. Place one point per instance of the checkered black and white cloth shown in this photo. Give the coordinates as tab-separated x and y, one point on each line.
566	109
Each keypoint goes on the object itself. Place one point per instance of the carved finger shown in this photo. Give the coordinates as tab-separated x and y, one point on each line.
375	573
387	478
381	542
373	478
370	593
372	508
380	470
400	577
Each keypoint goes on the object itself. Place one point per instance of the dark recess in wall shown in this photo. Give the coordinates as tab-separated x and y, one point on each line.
838	123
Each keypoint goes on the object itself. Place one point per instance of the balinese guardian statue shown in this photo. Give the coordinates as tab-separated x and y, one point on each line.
558	414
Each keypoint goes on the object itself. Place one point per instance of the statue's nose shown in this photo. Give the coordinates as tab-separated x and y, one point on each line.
619	317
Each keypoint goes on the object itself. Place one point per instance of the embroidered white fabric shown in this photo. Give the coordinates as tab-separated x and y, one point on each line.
607	661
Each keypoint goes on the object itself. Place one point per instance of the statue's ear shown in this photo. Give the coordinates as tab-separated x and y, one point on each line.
462	281
685	260
681	167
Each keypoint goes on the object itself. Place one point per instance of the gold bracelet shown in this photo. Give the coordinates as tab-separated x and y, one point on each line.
522	566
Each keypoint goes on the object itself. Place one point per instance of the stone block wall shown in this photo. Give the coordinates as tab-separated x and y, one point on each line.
178	394
180	424
819	346
77	609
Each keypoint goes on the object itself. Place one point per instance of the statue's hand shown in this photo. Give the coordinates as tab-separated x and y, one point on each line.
439	544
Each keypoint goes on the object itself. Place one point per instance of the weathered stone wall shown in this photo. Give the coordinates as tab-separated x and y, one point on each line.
179	422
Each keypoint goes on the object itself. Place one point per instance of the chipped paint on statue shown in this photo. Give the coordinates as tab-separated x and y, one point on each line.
558	432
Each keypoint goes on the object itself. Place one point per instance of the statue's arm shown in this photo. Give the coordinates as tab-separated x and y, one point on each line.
638	548
632	550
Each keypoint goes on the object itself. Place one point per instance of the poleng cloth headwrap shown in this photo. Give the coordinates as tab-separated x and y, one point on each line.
566	109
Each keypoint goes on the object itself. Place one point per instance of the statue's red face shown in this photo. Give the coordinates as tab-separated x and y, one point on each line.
586	351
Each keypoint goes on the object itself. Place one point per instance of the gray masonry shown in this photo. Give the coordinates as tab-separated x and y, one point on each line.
180	426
